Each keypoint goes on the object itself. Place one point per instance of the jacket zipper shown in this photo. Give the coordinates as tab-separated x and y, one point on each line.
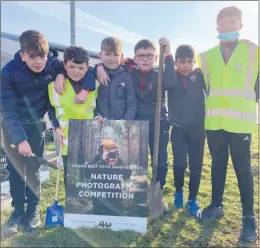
185	83
142	84
109	100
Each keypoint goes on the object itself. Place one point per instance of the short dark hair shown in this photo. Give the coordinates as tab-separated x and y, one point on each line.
77	54
112	44
184	51
229	11
33	41
145	43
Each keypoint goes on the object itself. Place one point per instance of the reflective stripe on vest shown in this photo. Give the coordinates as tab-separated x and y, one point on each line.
231	114
252	53
247	92
56	101
204	65
59	114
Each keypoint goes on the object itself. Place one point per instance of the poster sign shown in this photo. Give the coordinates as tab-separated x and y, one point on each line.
3	171
107	176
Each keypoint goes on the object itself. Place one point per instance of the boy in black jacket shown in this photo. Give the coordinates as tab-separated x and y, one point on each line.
186	103
24	102
145	77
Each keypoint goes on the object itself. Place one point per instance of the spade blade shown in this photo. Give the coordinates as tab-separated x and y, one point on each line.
44	162
155	200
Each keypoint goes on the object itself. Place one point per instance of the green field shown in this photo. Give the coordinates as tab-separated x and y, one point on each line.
176	229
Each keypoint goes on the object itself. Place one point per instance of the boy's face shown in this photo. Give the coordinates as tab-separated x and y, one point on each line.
229	24
110	59
145	58
75	71
36	62
185	65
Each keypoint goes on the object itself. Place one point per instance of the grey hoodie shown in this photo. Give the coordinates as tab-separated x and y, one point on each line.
117	101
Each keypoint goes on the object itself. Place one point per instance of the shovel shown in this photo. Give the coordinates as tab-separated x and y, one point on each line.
155	199
55	213
41	161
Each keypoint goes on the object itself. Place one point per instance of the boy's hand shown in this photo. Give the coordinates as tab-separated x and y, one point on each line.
165	42
124	61
60	135
81	97
99	118
24	149
102	76
59	84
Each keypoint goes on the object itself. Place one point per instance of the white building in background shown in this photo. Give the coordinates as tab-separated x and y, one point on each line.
10	45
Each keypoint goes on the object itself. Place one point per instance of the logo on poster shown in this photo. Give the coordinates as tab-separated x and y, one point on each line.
105	224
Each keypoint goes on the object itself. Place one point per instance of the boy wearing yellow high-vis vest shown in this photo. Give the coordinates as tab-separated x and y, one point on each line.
76	61
231	75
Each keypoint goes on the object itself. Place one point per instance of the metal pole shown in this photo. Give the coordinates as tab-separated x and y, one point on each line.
72	23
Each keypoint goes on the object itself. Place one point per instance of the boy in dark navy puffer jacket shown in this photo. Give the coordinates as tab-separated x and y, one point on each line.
24	102
186	104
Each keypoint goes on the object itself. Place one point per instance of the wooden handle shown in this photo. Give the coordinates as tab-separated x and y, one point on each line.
59	159
158	116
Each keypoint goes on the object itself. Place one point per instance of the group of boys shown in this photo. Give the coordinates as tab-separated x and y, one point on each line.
36	82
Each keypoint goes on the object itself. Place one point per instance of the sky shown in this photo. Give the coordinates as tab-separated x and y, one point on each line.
182	22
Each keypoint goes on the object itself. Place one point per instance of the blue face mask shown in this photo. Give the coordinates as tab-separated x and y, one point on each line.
228	36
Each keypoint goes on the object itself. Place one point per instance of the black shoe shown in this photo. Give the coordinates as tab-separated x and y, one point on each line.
211	213
32	220
248	233
14	223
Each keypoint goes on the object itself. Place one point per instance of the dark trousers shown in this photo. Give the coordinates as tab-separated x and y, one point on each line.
220	142
162	168
188	142
24	173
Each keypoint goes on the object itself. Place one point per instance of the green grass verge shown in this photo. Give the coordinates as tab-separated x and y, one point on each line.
176	229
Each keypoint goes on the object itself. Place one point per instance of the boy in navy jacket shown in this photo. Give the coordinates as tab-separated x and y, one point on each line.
186	104
24	102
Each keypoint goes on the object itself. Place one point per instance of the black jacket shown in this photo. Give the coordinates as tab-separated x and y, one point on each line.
24	94
117	101
146	88
186	100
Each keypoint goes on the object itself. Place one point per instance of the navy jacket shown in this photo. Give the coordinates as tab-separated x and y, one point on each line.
24	94
117	101
146	88
186	100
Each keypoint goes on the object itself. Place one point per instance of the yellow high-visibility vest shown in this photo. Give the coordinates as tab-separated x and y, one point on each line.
231	101
66	109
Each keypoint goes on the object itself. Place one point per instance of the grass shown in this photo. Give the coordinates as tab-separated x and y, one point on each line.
176	229
49	146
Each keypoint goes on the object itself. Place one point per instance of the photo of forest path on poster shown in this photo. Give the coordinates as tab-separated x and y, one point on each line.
107	176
